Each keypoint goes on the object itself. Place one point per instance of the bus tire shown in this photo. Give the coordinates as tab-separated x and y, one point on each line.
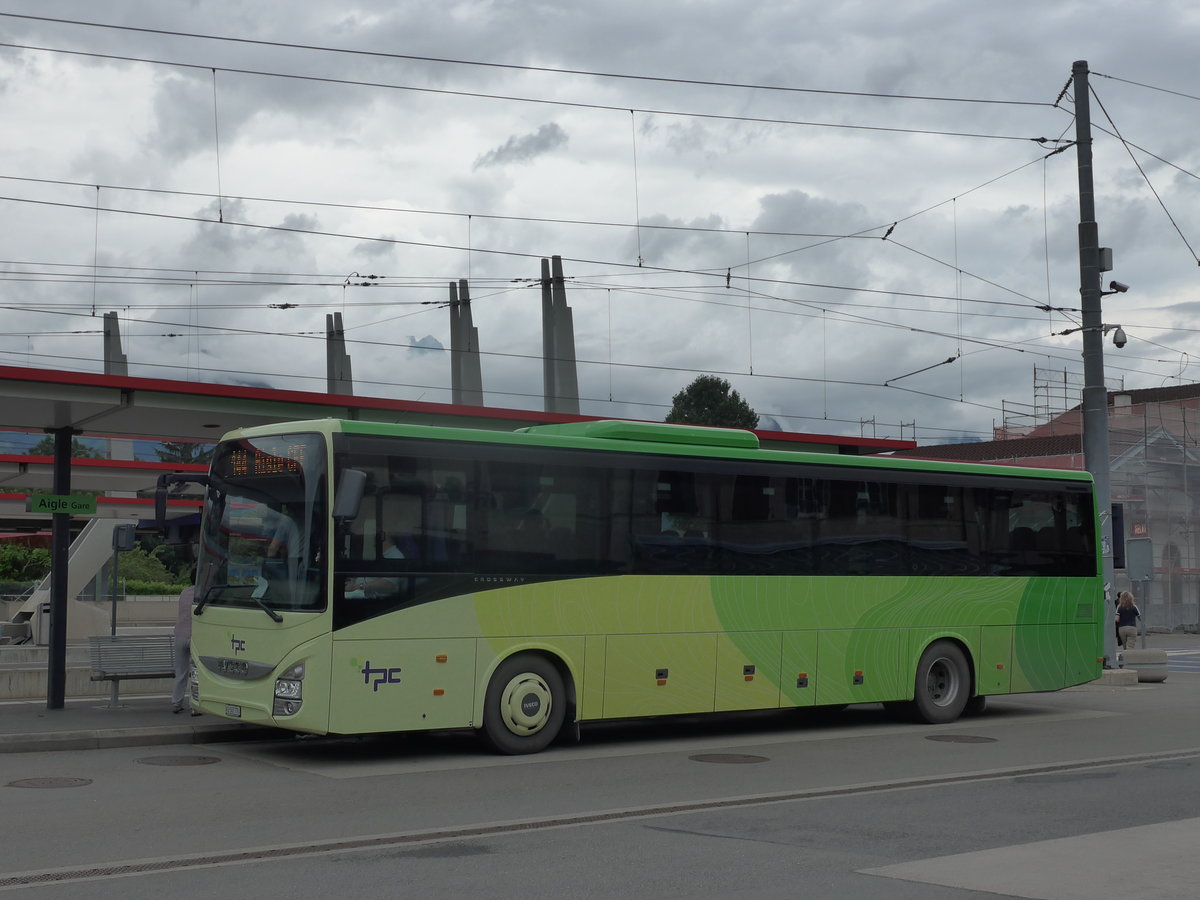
943	684
525	704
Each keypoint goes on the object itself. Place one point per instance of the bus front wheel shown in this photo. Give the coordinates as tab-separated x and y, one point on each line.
525	704
943	684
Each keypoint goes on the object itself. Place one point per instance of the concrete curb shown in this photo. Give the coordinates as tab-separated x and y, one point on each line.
1116	678
1150	665
99	738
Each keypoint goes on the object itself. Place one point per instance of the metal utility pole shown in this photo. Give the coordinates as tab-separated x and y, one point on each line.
60	551
1095	395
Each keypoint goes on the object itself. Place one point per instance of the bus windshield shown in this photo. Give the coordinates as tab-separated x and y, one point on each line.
264	525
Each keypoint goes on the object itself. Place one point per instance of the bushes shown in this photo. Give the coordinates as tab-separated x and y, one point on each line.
144	573
140	572
15	590
138	565
142	588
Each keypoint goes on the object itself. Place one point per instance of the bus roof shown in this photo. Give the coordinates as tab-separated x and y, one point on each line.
654	438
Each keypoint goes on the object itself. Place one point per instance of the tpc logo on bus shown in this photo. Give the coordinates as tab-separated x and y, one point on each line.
381	676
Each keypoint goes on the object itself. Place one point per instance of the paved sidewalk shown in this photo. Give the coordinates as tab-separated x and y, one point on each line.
87	722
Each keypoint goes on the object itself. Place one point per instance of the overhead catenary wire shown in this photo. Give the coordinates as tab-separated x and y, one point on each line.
863	234
624	401
1047	303
412	243
893	293
512	98
866	233
436	283
528	255
378	54
1022	346
1146	178
1140	84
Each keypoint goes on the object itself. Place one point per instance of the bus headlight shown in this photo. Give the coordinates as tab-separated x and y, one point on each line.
289	691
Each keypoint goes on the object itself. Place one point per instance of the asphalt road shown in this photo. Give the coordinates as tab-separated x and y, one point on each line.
1089	792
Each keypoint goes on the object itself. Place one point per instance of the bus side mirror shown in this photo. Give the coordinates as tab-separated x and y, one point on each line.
160	494
350	489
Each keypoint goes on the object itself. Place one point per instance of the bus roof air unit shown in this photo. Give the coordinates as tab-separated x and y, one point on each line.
652	433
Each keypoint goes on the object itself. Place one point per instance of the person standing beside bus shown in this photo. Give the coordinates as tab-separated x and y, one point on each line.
183	642
1127	618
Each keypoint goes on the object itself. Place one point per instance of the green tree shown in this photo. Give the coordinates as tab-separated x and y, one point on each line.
710	400
21	563
184	452
138	565
45	447
176	558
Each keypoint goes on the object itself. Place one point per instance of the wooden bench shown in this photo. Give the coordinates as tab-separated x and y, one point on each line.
119	657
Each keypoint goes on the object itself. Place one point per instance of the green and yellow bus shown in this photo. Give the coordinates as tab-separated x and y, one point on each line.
358	577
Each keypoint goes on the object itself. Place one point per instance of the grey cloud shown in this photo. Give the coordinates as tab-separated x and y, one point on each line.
218	238
666	241
301	139
251	382
799	211
811	258
524	148
425	344
183	112
380	249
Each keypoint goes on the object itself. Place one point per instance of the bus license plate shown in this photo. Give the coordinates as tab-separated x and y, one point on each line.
234	712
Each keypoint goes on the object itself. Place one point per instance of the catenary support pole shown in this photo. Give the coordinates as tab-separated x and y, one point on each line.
1095	395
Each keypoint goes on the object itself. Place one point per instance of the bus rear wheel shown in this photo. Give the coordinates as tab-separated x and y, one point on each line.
943	684
525	705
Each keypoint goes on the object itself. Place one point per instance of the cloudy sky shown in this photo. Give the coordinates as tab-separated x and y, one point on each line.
841	207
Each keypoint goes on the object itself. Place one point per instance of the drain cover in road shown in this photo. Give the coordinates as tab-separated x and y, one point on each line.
179	760
734	758
960	739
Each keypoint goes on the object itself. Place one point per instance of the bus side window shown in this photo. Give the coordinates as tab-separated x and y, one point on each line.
941	539
674	525
1023	544
399	517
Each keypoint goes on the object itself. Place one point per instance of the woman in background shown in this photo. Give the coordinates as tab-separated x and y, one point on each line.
1127	617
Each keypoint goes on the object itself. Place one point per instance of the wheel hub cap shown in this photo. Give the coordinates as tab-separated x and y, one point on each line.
526	704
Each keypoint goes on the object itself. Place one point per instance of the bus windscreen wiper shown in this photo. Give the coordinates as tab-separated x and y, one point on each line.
255	595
